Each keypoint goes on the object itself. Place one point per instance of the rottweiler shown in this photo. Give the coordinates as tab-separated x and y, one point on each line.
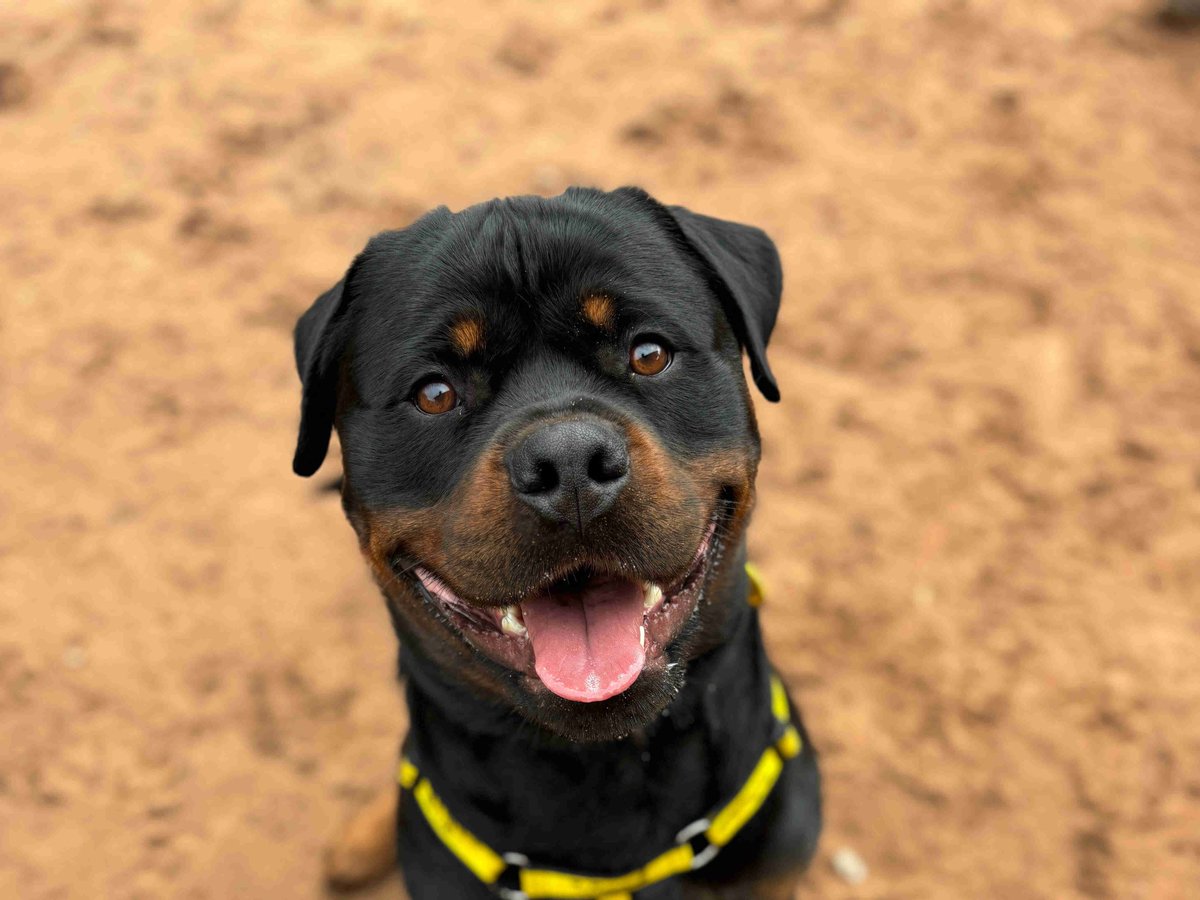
549	452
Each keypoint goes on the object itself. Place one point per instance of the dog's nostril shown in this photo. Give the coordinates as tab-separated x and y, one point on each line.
607	465
534	476
545	477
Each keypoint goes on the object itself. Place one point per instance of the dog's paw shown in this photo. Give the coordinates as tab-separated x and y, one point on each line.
365	848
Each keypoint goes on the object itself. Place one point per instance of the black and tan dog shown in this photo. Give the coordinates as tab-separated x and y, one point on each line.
549	453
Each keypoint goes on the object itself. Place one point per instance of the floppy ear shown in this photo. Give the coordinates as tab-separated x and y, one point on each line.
321	336
319	346
749	278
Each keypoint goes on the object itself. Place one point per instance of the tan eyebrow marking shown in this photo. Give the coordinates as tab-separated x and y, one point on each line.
600	310
467	336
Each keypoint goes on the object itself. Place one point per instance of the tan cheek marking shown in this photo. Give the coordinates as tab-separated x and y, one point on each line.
485	492
467	336
385	530
600	311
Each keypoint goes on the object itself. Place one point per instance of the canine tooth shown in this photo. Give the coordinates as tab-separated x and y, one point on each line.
511	623
652	596
642	635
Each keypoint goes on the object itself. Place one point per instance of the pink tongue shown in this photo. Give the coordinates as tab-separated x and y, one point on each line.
587	644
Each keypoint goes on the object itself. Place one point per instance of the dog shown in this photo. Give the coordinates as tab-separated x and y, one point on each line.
549	452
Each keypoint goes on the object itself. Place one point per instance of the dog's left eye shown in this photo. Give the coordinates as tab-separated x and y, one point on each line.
649	356
435	397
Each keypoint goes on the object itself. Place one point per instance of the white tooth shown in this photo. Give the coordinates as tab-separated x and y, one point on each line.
652	596
511	623
642	635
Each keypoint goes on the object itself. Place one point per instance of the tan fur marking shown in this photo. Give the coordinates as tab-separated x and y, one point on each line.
364	850
467	336
600	311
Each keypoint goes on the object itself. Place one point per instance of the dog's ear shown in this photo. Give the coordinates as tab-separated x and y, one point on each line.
319	342
748	276
321	337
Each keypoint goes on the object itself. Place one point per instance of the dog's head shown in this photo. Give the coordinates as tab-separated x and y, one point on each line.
548	444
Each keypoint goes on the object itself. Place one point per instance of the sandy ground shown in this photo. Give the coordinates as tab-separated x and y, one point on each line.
980	503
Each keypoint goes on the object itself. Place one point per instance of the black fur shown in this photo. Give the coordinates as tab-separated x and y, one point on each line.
548	777
607	808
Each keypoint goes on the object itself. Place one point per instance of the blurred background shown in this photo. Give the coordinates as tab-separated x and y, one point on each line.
979	507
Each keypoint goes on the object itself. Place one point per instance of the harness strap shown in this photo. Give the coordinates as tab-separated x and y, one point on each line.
512	877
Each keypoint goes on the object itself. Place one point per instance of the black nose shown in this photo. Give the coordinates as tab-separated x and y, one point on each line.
571	471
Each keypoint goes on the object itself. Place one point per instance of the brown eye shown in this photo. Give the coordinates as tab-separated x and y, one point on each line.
649	357
435	397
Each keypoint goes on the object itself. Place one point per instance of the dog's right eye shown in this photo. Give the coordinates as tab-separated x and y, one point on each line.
435	397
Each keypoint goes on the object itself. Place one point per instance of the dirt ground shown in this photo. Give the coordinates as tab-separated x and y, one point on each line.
980	501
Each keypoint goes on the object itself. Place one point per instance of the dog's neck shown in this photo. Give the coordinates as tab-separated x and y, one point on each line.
605	805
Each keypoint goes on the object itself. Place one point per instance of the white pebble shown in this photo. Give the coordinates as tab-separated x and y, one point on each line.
849	866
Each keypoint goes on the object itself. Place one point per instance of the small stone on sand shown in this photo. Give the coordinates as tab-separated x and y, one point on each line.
849	866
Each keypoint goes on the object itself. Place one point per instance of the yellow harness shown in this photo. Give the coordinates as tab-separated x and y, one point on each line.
512	877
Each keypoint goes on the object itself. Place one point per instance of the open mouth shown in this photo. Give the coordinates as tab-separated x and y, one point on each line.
587	636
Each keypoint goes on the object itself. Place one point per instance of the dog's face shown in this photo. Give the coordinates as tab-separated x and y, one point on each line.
548	445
